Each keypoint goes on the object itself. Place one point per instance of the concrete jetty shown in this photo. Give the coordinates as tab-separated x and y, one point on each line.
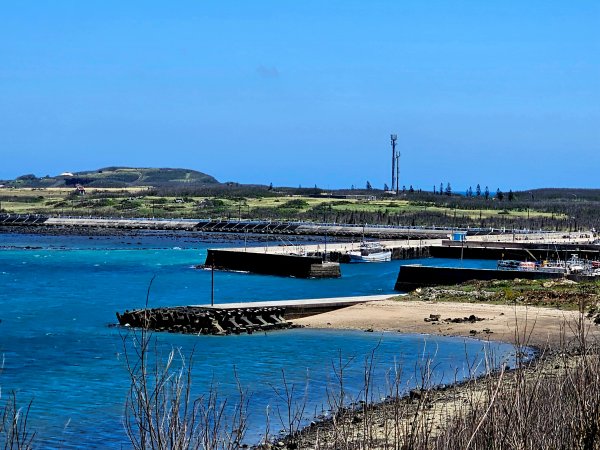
305	261
300	266
295	309
234	318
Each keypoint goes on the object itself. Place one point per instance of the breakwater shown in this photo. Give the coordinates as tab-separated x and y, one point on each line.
264	227
201	320
236	318
272	264
415	276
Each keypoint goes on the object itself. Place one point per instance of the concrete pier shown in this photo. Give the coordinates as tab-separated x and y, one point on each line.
272	264
415	276
306	261
234	318
295	309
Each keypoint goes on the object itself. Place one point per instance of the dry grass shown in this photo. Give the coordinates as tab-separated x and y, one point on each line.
160	412
551	402
15	434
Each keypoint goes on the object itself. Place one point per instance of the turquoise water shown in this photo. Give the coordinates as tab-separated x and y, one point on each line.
57	301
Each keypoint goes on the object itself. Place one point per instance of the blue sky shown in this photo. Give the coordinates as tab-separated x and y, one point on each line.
505	94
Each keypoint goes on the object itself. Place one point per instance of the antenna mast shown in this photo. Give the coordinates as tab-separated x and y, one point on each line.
393	138
397	172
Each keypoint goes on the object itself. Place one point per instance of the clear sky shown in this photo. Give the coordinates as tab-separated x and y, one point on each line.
502	93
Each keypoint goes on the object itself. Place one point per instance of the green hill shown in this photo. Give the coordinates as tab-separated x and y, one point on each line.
120	177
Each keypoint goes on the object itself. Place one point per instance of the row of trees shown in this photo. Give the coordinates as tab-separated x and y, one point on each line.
478	192
448	191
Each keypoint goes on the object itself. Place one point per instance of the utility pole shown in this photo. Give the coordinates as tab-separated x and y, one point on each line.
393	139
212	284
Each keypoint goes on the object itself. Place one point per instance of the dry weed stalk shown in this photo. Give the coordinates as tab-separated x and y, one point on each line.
14	429
160	412
549	404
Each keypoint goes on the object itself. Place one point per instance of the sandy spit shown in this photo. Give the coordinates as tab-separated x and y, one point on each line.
535	326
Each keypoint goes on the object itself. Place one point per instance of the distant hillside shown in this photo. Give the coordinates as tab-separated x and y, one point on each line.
120	177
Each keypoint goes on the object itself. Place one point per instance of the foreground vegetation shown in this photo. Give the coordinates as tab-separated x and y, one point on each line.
550	403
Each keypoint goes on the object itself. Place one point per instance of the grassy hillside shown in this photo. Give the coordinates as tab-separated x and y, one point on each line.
119	191
118	177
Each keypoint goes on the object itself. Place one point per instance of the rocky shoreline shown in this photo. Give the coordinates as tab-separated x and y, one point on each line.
419	410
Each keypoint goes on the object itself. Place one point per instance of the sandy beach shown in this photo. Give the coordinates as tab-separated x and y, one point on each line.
430	414
537	326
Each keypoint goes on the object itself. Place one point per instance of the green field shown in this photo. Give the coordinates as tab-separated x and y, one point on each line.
138	202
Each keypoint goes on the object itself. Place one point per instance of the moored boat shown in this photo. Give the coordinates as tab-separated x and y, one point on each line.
574	265
370	252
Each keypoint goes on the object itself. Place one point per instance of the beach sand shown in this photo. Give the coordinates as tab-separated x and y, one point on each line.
544	328
534	326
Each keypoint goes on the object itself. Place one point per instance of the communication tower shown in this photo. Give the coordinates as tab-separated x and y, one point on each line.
397	172
393	138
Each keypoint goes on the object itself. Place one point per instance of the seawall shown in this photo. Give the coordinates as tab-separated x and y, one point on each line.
411	277
272	264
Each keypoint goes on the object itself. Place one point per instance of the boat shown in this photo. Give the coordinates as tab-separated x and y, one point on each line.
574	265
508	264
370	252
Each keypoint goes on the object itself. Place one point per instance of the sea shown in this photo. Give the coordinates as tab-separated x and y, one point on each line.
63	353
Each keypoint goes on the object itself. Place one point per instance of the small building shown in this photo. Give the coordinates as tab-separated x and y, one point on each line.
79	189
459	236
